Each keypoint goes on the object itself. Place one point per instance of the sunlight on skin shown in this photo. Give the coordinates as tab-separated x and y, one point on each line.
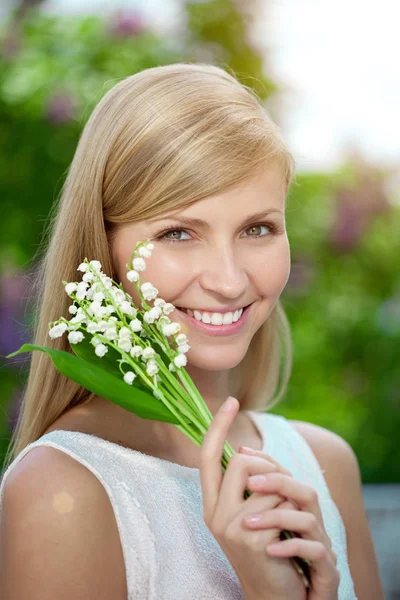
83	410
63	502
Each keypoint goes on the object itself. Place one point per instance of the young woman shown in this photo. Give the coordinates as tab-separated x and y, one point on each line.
97	503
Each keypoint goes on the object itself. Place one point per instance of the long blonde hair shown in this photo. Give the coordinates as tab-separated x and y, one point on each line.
160	139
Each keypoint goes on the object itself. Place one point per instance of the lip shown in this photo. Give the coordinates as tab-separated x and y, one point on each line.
223	311
218	329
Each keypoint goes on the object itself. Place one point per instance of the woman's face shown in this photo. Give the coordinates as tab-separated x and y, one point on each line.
231	260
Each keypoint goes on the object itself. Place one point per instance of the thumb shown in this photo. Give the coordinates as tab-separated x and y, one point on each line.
211	452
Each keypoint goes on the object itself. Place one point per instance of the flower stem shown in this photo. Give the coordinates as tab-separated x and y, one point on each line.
196	396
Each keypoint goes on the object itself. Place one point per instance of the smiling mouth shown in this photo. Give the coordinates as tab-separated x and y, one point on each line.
208	318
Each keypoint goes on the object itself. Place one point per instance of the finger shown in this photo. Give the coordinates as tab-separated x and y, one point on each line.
322	559
251	452
289	505
237	474
280	468
303	523
211	473
304	495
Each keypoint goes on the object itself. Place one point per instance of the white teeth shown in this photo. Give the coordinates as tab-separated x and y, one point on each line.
215	318
227	319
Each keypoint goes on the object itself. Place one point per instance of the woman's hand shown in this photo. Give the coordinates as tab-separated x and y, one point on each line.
224	509
314	543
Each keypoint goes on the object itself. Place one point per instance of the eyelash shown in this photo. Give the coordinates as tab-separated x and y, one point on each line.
273	228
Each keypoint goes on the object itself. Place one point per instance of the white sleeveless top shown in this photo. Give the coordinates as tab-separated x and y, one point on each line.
169	552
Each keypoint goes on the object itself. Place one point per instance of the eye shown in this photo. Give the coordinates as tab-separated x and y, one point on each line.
273	230
163	235
257	227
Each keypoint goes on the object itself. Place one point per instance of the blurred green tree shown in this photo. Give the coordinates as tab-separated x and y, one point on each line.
53	70
343	303
343	294
220	31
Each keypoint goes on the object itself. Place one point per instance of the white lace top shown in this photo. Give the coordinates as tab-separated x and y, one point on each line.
169	553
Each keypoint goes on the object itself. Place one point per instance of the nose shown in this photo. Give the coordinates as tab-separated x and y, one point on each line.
223	273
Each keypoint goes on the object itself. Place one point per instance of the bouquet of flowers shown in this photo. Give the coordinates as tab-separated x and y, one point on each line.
134	358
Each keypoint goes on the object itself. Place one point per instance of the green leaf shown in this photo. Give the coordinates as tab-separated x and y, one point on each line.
108	362
106	384
85	351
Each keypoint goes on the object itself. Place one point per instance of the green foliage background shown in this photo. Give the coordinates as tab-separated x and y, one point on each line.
343	296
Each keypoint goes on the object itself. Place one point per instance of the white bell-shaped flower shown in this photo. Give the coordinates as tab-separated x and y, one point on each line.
132	275
180	360
139	264
129	377
74	337
149	291
101	350
58	330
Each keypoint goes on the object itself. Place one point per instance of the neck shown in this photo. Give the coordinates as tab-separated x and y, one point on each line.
212	385
111	422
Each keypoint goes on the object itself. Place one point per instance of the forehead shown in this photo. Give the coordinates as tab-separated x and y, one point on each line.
262	195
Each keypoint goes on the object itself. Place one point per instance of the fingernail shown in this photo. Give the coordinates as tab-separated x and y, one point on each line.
247	449
257	480
273	547
228	405
255	518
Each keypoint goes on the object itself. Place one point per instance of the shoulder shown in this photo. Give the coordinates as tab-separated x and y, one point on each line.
334	455
341	471
337	460
51	510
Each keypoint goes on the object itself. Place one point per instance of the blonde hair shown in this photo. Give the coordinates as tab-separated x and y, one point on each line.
144	150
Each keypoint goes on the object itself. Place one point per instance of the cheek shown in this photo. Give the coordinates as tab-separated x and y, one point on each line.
271	269
169	276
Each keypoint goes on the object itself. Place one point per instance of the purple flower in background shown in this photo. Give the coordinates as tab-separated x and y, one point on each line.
11	45
13	330
127	24
15	407
15	294
349	223
61	108
357	207
302	273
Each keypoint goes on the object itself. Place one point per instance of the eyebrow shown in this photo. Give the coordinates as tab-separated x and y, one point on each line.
203	224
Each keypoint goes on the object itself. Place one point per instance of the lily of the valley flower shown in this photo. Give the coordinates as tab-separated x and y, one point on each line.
74	337
104	313
129	377
149	291
58	330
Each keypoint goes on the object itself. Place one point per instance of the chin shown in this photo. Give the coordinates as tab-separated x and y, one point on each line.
219	360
